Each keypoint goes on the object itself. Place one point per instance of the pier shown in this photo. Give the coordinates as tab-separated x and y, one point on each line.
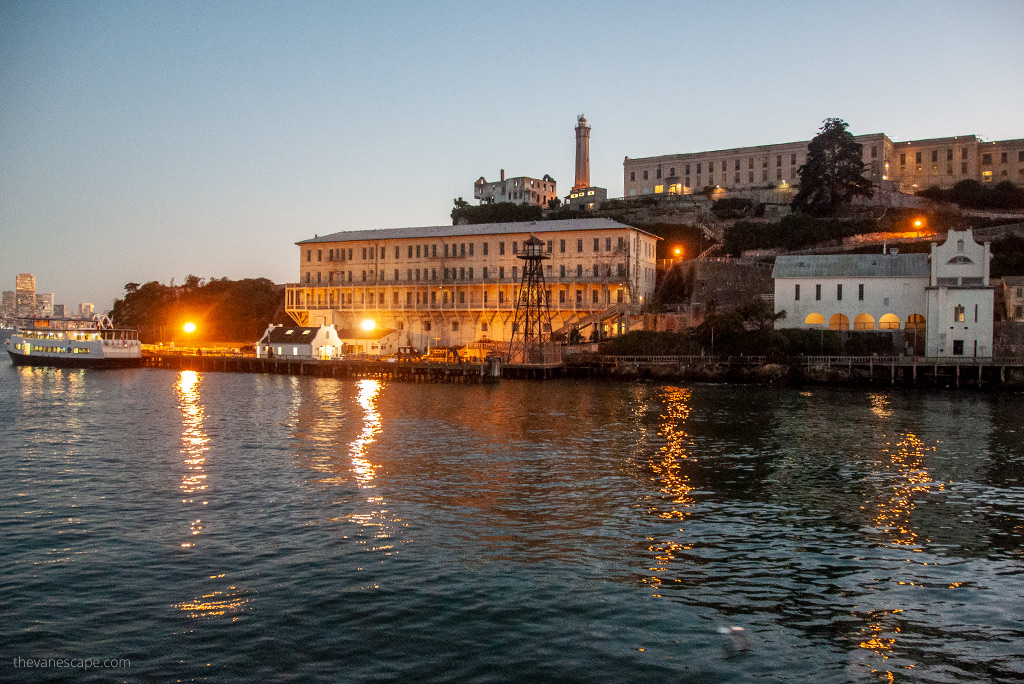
462	373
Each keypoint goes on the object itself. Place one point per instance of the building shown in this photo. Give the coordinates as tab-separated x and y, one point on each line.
584	196
908	166
945	296
1013	295
86	310
7	307
44	304
58	310
299	342
453	285
518	190
25	294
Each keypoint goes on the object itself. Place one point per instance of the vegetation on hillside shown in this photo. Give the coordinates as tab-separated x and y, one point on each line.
973	195
499	212
222	309
794	231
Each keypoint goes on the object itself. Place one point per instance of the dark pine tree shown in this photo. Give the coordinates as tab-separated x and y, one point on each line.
834	172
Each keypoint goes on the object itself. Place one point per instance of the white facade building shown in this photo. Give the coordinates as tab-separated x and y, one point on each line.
299	342
942	300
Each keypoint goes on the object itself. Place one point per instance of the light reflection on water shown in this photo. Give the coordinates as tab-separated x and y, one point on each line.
524	532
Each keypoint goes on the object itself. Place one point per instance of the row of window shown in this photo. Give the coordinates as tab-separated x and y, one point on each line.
418	298
986	158
52	350
462	273
839	293
723	165
865	321
456	250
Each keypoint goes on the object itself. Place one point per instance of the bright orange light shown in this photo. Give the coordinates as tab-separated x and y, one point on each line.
189	327
679	251
368	325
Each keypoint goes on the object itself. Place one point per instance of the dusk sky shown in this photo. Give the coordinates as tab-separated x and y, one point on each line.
151	140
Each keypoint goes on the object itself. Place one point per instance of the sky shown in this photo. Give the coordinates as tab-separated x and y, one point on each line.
145	141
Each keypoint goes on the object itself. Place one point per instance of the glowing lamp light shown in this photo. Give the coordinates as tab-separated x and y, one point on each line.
678	251
918	223
368	324
189	327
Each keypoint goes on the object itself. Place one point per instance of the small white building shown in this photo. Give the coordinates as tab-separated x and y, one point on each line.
298	342
945	295
376	342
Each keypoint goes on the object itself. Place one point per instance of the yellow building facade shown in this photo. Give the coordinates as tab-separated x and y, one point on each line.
909	166
454	285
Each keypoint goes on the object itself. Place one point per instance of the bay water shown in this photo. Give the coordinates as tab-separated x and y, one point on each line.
179	526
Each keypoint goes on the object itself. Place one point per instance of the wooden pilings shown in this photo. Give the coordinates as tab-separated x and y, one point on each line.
460	373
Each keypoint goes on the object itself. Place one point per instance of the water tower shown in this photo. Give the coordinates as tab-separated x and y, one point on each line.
532	320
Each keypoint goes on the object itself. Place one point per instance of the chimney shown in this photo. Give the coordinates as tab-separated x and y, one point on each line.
503	175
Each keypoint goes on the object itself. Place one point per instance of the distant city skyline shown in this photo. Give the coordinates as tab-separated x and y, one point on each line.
146	141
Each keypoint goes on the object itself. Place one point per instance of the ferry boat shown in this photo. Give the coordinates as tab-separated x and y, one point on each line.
74	343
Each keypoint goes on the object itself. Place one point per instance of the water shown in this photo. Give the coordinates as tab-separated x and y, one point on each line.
237	528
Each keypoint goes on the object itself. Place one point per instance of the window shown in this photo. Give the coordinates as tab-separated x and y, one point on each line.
1002	158
958	314
917	158
561	271
485	249
958	347
645	175
874	151
817	292
309	255
561	246
579	270
672	171
397	253
632	176
417	252
698	168
597	244
935	155
657	174
986	160
796	292
860	293
839	292
903	160
410	251
579	245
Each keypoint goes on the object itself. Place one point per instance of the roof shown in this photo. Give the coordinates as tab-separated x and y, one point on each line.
1013	281
526	227
292	333
360	334
852	266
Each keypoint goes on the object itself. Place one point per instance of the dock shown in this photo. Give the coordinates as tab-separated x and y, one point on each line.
422	371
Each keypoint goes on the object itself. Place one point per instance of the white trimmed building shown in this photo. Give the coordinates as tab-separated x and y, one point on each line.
945	295
453	285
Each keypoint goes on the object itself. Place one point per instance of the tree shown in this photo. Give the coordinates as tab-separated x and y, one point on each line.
834	172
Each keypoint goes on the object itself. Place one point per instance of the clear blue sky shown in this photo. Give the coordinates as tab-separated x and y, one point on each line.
151	140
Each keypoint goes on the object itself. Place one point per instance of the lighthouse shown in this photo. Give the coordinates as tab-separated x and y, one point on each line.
582	154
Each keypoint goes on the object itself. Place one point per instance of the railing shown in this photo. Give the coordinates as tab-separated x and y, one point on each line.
914	360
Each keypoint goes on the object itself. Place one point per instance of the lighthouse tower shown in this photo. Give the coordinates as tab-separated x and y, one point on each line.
584	196
582	154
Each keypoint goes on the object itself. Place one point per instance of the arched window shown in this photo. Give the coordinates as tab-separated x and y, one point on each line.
814	319
864	322
959	260
914	322
889	322
839	322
